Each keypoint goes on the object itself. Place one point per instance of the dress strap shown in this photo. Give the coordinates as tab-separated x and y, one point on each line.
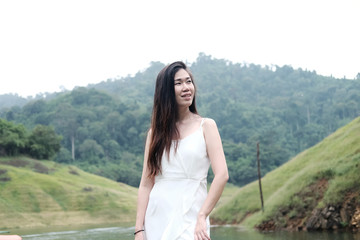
202	122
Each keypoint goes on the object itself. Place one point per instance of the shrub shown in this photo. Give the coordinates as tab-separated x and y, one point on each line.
41	168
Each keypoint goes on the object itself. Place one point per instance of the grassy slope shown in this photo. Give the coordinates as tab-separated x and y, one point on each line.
336	159
60	195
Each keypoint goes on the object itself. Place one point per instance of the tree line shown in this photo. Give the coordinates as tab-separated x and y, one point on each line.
103	126
41	143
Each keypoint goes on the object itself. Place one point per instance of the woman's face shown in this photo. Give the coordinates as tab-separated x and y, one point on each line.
184	88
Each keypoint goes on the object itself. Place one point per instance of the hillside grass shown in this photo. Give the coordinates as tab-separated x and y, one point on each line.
43	193
336	159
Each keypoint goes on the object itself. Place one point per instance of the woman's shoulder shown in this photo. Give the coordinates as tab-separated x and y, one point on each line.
207	120
210	130
209	123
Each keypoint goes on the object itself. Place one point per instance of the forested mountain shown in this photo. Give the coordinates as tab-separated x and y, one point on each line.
11	100
14	100
287	110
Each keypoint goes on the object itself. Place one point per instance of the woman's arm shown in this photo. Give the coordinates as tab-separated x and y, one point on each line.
146	184
218	164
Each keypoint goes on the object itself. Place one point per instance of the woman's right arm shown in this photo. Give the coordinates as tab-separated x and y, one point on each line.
146	184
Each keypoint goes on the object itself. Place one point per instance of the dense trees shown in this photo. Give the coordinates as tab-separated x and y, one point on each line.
287	110
12	138
41	143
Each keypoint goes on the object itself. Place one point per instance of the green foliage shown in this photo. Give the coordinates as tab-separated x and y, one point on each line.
63	156
12	138
44	143
325	174
91	151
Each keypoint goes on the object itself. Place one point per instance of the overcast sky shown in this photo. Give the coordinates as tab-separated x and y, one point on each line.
47	44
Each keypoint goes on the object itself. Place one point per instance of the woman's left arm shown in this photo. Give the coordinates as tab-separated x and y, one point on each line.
218	164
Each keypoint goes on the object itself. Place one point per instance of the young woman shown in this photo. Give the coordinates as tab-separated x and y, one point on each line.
173	202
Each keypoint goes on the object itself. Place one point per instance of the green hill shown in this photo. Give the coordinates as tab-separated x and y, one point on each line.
318	189
43	193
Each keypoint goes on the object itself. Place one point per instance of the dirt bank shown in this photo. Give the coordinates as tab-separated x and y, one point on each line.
305	215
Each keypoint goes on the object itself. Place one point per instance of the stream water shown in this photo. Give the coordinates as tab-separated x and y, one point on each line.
217	233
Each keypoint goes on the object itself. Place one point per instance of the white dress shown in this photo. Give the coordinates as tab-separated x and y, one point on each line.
180	191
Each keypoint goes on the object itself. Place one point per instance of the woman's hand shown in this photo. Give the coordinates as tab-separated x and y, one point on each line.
201	229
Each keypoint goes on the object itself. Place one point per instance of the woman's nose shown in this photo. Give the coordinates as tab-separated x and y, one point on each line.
185	87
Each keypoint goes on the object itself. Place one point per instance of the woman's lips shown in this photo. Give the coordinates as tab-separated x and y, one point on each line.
186	96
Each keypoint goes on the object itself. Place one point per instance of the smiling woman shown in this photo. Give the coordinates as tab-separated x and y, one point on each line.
184	88
173	202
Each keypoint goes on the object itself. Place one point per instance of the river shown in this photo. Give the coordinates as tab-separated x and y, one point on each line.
217	233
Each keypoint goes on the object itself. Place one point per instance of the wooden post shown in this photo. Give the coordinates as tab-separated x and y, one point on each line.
259	175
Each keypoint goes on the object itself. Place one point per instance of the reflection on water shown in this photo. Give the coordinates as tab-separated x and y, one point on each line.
89	234
232	233
217	233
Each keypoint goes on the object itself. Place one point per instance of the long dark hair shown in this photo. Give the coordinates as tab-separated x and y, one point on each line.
164	115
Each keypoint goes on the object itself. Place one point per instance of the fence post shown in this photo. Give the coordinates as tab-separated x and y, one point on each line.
259	176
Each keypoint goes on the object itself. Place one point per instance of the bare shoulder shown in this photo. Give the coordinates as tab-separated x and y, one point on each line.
211	134
210	128
209	123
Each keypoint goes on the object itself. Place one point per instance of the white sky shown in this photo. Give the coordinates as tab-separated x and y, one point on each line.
45	44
